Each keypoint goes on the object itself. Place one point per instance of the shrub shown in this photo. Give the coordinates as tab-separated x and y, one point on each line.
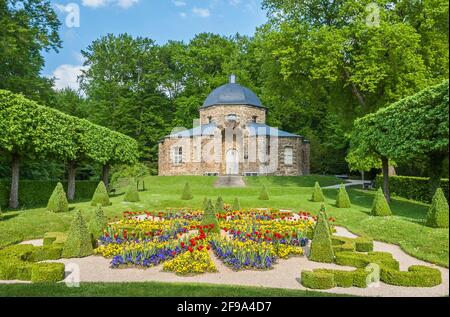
357	278
236	204
55	238
205	203
187	194
317	195
417	188
132	194
437	216
361	260
219	205
209	218
78	243
342	199
416	276
380	207
263	195
360	244
100	195
47	272
321	247
58	200
317	280
96	225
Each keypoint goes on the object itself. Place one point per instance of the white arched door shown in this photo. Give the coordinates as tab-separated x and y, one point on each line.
232	162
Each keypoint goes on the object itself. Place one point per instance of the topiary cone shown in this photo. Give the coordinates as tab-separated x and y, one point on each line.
97	224
78	243
437	216
187	194
219	205
317	195
380	207
58	200
236	204
209	217
342	199
263	195
321	246
100	195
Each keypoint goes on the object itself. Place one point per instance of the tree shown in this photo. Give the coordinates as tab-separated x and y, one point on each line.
437	216
380	206
100	196
97	224
342	199
78	243
321	247
58	200
317	195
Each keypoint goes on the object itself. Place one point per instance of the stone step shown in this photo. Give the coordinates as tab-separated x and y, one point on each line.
230	181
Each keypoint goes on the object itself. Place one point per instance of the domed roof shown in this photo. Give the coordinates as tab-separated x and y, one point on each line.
232	94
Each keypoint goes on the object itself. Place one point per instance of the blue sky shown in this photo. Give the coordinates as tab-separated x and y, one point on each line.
160	20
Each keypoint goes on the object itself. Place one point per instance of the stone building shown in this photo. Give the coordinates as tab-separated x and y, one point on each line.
231	138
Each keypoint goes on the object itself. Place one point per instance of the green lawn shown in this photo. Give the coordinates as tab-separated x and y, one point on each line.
405	228
151	289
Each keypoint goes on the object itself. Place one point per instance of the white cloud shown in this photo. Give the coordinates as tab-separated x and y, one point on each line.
67	76
179	3
183	14
235	2
63	8
201	12
124	4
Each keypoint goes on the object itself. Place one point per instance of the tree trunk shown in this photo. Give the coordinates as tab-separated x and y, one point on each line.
436	162
71	180
105	176
385	167
14	193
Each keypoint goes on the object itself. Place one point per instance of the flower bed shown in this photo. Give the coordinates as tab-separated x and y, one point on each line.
250	239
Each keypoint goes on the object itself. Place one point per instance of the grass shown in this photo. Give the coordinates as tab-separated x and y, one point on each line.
405	228
151	289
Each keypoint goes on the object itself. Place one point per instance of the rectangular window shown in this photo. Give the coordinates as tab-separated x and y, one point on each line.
178	155
288	153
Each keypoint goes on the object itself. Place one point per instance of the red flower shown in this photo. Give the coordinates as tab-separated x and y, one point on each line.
190	249
182	245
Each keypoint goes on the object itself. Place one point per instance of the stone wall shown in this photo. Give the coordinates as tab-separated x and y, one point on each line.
245	114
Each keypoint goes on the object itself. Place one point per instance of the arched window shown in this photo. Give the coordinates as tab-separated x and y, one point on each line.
177	155
288	155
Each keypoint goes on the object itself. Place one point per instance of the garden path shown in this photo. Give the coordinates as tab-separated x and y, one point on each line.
230	181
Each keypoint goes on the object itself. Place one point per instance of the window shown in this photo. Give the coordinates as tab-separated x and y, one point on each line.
178	155
254	118
209	119
288	155
231	117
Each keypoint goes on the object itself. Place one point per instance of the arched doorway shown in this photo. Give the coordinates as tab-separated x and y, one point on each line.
232	162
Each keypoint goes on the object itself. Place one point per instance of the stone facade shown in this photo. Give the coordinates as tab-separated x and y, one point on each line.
232	139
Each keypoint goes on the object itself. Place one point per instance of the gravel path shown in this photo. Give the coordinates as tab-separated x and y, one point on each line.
348	182
285	274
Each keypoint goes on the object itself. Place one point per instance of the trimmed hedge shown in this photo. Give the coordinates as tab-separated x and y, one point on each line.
78	243
209	217
55	238
321	246
342	199
342	278
417	188
236	204
36	193
187	193
58	200
317	280
18	262
100	195
219	205
263	195
360	244
380	206
437	216
317	195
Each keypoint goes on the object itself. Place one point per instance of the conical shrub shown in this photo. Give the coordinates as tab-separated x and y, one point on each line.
205	203
100	195
209	217
317	195
321	246
219	205
132	194
342	199
380	206
187	194
236	204
263	195
97	224
323	211
78	243
437	216
58	200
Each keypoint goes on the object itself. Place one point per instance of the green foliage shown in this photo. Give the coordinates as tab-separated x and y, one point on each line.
342	199
205	203
219	207
321	246
58	200
411	187
380	207
209	218
97	223
316	280
47	272
360	244
187	193
263	195
132	194
78	243
55	238
34	193
236	204
100	195
437	216
317	195
341	278
18	262
125	174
